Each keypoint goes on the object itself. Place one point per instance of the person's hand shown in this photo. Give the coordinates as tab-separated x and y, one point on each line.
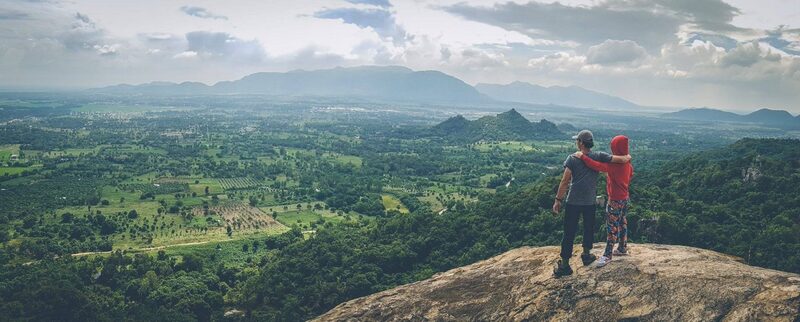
627	158
578	154
556	207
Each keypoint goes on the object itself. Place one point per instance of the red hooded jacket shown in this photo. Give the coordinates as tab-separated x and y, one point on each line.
619	174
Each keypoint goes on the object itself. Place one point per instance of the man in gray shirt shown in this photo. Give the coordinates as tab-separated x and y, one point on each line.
579	185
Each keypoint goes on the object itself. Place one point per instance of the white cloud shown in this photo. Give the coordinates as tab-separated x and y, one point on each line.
749	54
106	50
200	12
612	52
185	54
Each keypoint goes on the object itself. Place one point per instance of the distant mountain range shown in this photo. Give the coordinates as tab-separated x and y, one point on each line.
508	125
373	82
768	117
400	84
558	95
392	83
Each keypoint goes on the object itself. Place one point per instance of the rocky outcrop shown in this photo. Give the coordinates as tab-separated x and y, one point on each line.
653	283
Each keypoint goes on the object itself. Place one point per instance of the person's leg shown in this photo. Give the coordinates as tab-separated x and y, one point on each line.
623	227
571	214
588	227
612	227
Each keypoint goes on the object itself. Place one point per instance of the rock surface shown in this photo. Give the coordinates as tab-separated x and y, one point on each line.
653	283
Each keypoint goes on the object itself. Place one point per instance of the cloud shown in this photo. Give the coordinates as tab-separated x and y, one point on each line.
83	34
13	15
581	24
716	39
380	20
710	15
612	52
185	54
749	54
224	45
784	39
106	50
559	62
379	3
481	60
158	36
200	12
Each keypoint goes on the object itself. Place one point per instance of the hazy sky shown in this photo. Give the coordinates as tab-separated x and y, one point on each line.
735	54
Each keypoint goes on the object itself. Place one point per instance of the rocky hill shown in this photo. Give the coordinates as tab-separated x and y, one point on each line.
654	283
509	125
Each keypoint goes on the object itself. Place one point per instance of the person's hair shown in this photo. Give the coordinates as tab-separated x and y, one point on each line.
587	144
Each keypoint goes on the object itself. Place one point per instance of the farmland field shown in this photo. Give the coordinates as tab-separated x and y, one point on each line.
240	216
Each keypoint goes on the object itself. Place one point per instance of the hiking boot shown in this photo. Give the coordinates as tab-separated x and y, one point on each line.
603	261
588	259
621	252
562	269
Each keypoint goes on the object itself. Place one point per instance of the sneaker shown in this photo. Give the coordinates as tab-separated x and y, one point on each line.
603	261
588	259
621	252
562	269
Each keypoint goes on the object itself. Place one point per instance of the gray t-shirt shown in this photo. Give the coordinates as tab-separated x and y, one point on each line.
583	186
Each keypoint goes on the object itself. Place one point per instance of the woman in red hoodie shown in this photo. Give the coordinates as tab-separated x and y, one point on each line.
619	178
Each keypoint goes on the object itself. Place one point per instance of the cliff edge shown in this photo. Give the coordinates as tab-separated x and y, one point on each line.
654	283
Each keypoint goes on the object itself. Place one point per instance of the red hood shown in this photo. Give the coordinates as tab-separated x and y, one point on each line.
619	145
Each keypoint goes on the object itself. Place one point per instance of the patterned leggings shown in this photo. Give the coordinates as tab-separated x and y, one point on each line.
617	225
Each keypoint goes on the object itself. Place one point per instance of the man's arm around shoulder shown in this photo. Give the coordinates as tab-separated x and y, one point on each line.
621	158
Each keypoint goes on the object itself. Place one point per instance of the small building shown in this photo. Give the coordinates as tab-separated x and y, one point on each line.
14	158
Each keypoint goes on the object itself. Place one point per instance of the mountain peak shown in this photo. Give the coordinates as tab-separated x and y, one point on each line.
512	113
767	111
773	117
656	282
509	125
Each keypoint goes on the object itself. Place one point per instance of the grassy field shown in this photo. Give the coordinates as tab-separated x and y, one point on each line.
484	179
14	170
437	196
7	150
228	252
213	185
345	159
308	219
392	203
